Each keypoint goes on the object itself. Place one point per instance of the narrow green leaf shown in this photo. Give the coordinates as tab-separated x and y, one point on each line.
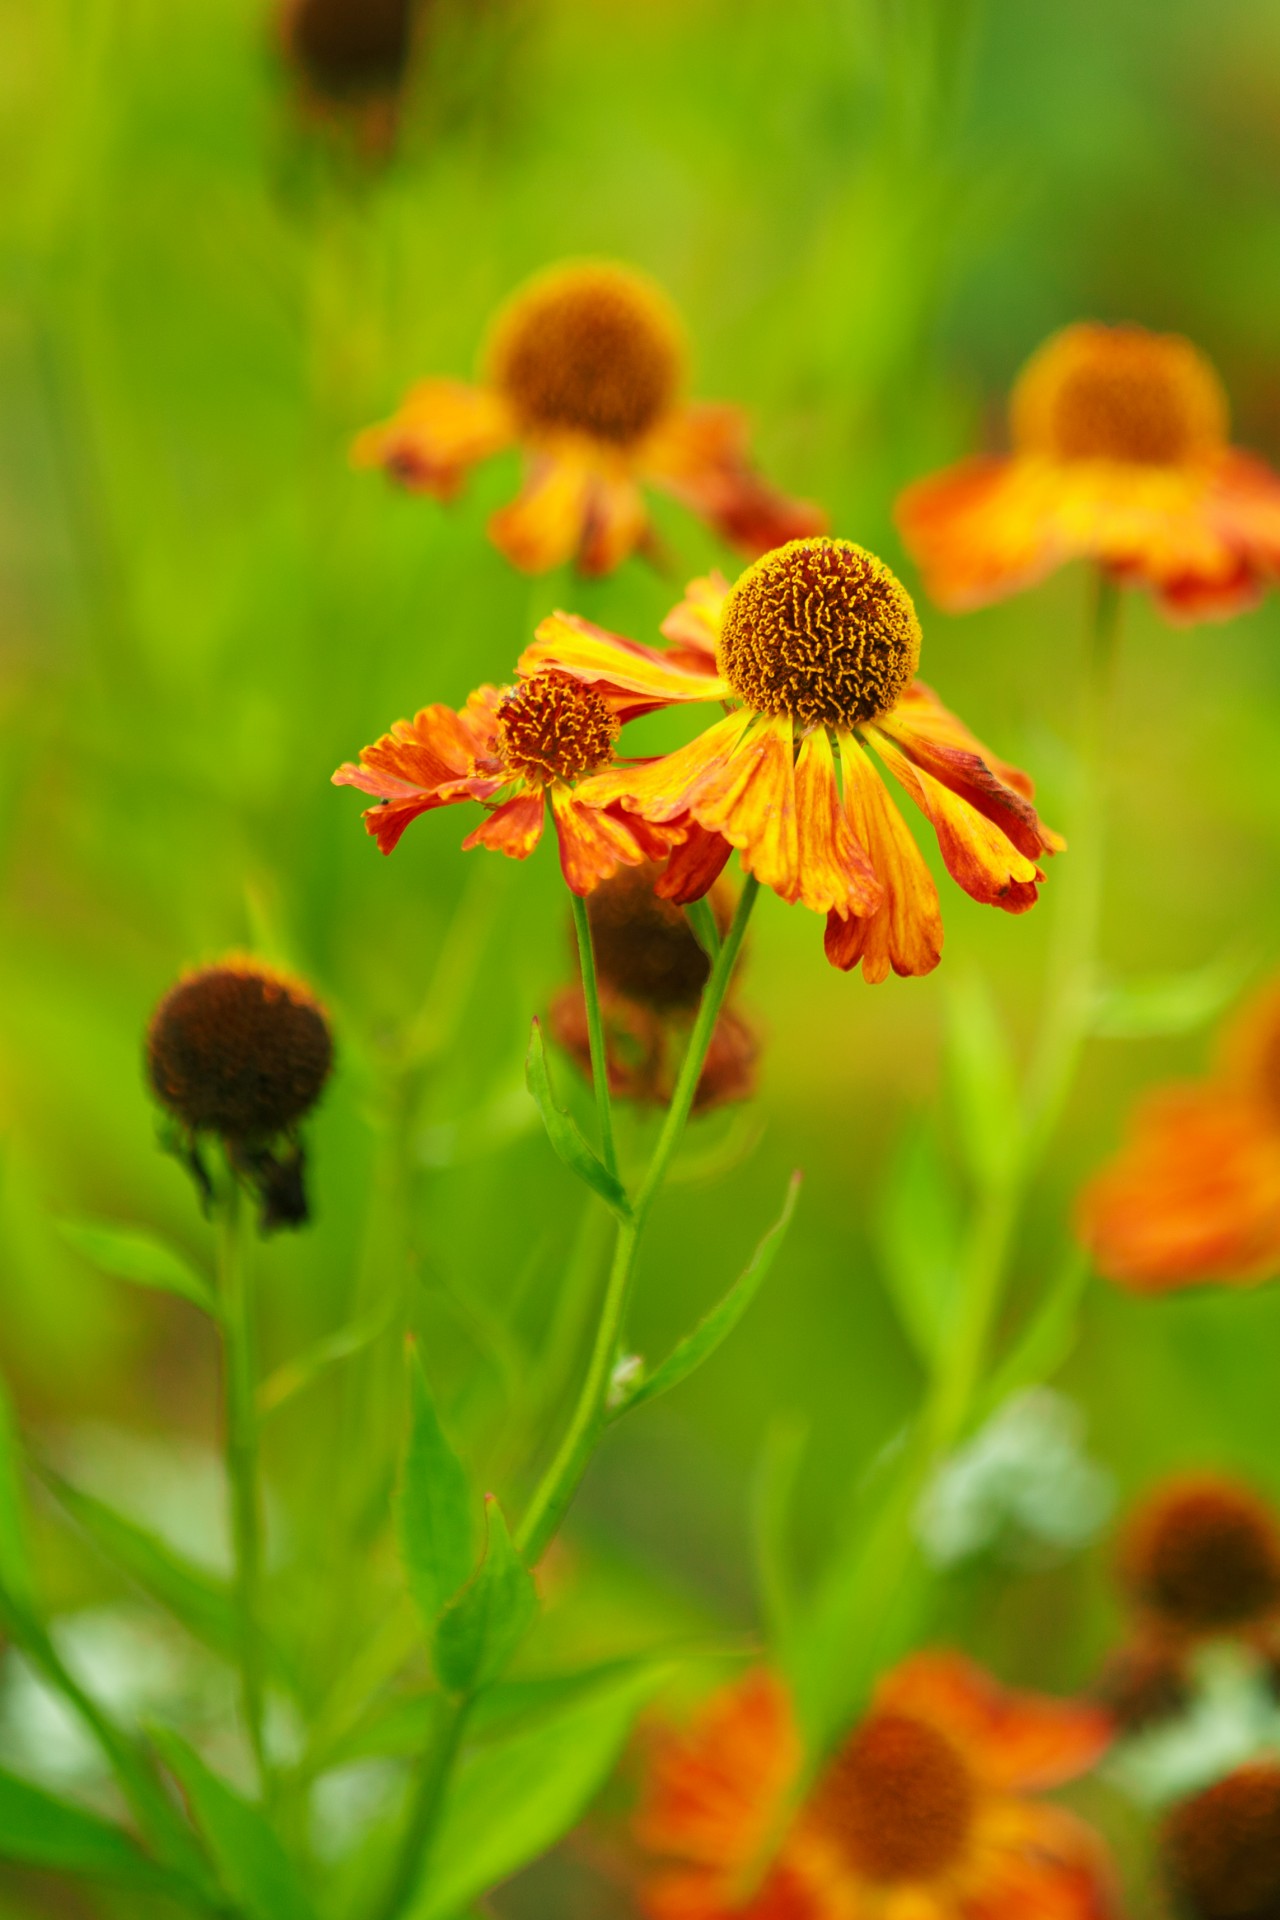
771	1493
435	1511
1047	1340
128	1254
479	1631
982	1080
918	1233
15	1558
716	1326
565	1135
252	1865
201	1603
37	1830
512	1799
1172	1003
705	931
295	1376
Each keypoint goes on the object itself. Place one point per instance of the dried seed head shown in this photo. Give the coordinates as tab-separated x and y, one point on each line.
551	728
1202	1556
350	49
591	349
1221	1850
1119	393
238	1050
1144	1684
899	1800
822	630
644	946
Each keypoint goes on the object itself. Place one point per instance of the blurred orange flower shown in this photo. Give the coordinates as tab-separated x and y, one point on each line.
817	646
584	371
923	1814
1120	456
1193	1196
516	750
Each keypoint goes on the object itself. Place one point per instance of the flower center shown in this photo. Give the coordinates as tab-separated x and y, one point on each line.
1205	1557
238	1050
821	630
553	729
899	1800
351	47
1222	1849
1119	393
594	349
644	946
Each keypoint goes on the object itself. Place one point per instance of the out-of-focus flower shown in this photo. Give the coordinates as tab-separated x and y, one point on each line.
517	750
1193	1197
924	1813
242	1052
1120	456
351	59
651	972
584	371
817	646
1221	1850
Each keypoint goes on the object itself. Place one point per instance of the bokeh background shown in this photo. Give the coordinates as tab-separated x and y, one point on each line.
869	211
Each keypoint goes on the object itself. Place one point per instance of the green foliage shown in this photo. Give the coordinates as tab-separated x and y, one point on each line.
566	1136
436	1509
39	1830
918	1236
250	1861
141	1258
16	1575
480	1629
983	1084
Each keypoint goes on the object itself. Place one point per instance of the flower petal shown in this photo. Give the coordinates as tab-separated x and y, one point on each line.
596	841
441	428
834	869
1014	1741
665	788
631	678
979	855
423	763
694	867
1040	1860
750	798
693	624
700	455
936	740
545	525
979	531
905	931
514	828
712	1791
616	521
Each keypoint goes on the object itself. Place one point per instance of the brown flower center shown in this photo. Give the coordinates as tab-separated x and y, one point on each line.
553	729
351	47
238	1050
644	946
1119	393
899	1800
592	349
1221	1850
821	630
1204	1556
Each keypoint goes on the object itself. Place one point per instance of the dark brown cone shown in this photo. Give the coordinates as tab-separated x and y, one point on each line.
1202	1557
645	948
351	49
238	1050
1221	1850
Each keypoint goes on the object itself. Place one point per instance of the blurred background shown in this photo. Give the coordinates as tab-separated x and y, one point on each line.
217	262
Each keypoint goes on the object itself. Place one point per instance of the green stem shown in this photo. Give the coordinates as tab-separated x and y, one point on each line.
560	1482
595	1031
425	1806
241	1443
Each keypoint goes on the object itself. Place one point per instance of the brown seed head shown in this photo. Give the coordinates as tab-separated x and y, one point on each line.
1202	1556
1119	393
238	1050
1144	1684
550	728
644	946
821	630
1221	1850
349	49
591	349
899	1800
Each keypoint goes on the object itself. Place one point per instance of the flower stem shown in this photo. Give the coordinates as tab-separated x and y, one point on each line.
560	1482
241	1443
595	1032
425	1806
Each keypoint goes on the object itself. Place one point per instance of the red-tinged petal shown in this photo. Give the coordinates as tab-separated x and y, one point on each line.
666	788
442	428
905	931
1193	1197
700	456
544	526
713	1791
514	828
979	531
388	821
1013	1741
978	853
616	522
1039	1860
693	625
834	869
632	679
694	866
936	740
751	800
596	841
416	756
783	1894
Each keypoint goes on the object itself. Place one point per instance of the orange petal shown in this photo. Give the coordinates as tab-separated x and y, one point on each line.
514	828
750	798
834	869
978	853
596	841
616	521
979	531
544	527
905	931
935	739
422	764
1018	1741
700	456
694	867
442	428
631	678
693	625
1039	1860
712	1792
666	788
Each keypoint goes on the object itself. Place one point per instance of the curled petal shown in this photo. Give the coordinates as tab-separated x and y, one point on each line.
544	526
1019	1742
596	841
667	788
694	867
936	740
442	428
424	763
700	456
834	869
750	799
904	933
631	678
514	828
693	625
979	855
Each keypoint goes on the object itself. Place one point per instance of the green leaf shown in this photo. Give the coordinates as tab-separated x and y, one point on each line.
917	1233
565	1135
37	1830
200	1602
434	1511
294	1376
983	1083
16	1572
512	1799
252	1865
1173	1003
140	1258
705	931
717	1325
1047	1340
479	1631
771	1494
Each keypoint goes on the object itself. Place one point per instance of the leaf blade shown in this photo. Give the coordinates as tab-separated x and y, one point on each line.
39	1830
140	1258
564	1134
480	1629
251	1863
435	1511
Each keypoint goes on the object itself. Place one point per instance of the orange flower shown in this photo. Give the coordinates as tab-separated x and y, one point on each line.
817	645
922	1815
584	372
516	750
1120	456
1193	1197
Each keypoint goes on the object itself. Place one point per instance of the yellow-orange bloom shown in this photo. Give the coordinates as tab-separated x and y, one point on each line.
923	1814
816	646
584	371
517	750
1193	1196
1120	455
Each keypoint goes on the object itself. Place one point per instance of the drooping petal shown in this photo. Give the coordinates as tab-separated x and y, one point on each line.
441	428
694	867
1014	1741
835	872
750	799
693	624
514	828
1040	1860
979	855
713	1790
905	931
424	763
664	789
935	739
616	520
700	455
979	531
544	526
631	678
596	841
